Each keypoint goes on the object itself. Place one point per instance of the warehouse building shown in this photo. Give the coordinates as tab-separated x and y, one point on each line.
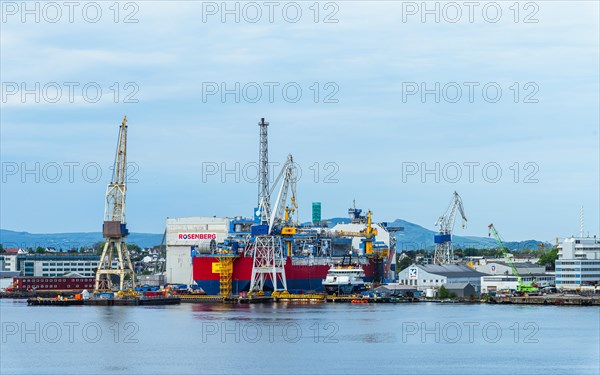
433	276
501	268
396	290
494	283
461	289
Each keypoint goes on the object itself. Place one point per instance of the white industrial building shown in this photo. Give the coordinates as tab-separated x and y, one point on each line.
578	262
494	283
186	235
433	276
501	268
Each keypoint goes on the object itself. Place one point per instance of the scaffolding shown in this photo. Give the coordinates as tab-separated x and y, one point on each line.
268	262
225	268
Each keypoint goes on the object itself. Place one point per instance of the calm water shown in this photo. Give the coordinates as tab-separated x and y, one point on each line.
288	339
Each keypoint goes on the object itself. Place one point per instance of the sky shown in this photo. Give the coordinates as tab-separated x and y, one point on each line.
395	105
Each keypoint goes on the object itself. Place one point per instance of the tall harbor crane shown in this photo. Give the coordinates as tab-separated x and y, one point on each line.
267	253
443	240
114	228
521	286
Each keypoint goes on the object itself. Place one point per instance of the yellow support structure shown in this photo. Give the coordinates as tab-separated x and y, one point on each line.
368	233
225	276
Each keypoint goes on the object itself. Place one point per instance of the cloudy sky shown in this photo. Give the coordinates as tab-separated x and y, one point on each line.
382	102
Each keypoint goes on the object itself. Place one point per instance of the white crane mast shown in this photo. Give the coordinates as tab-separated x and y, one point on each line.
288	178
443	240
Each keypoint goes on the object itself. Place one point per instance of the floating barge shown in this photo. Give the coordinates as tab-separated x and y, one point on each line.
104	301
53	302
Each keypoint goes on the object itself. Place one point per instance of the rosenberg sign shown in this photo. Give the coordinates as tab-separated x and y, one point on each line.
197	236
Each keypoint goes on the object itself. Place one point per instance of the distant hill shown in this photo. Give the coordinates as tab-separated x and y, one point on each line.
66	241
414	237
417	237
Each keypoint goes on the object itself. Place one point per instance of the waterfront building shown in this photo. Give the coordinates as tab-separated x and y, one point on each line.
578	263
494	283
52	265
501	268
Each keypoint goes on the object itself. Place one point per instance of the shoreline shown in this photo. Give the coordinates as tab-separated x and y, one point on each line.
547	300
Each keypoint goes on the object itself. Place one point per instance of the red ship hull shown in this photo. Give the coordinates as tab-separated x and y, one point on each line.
299	278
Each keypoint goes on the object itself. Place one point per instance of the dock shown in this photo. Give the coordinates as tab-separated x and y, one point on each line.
559	300
312	298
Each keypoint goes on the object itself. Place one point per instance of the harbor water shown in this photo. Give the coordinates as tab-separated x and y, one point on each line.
409	338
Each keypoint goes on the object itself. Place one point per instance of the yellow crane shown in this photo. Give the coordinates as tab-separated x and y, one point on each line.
368	233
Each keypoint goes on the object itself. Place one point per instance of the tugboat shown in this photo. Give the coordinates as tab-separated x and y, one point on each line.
345	279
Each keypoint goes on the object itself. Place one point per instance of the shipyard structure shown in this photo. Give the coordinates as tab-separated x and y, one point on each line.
272	251
208	252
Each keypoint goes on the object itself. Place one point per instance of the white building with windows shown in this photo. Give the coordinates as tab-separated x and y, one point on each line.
52	265
578	262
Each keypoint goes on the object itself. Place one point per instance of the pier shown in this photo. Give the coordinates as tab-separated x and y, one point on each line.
560	300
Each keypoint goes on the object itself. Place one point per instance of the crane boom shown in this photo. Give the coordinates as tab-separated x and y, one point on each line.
288	177
115	193
505	252
521	286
